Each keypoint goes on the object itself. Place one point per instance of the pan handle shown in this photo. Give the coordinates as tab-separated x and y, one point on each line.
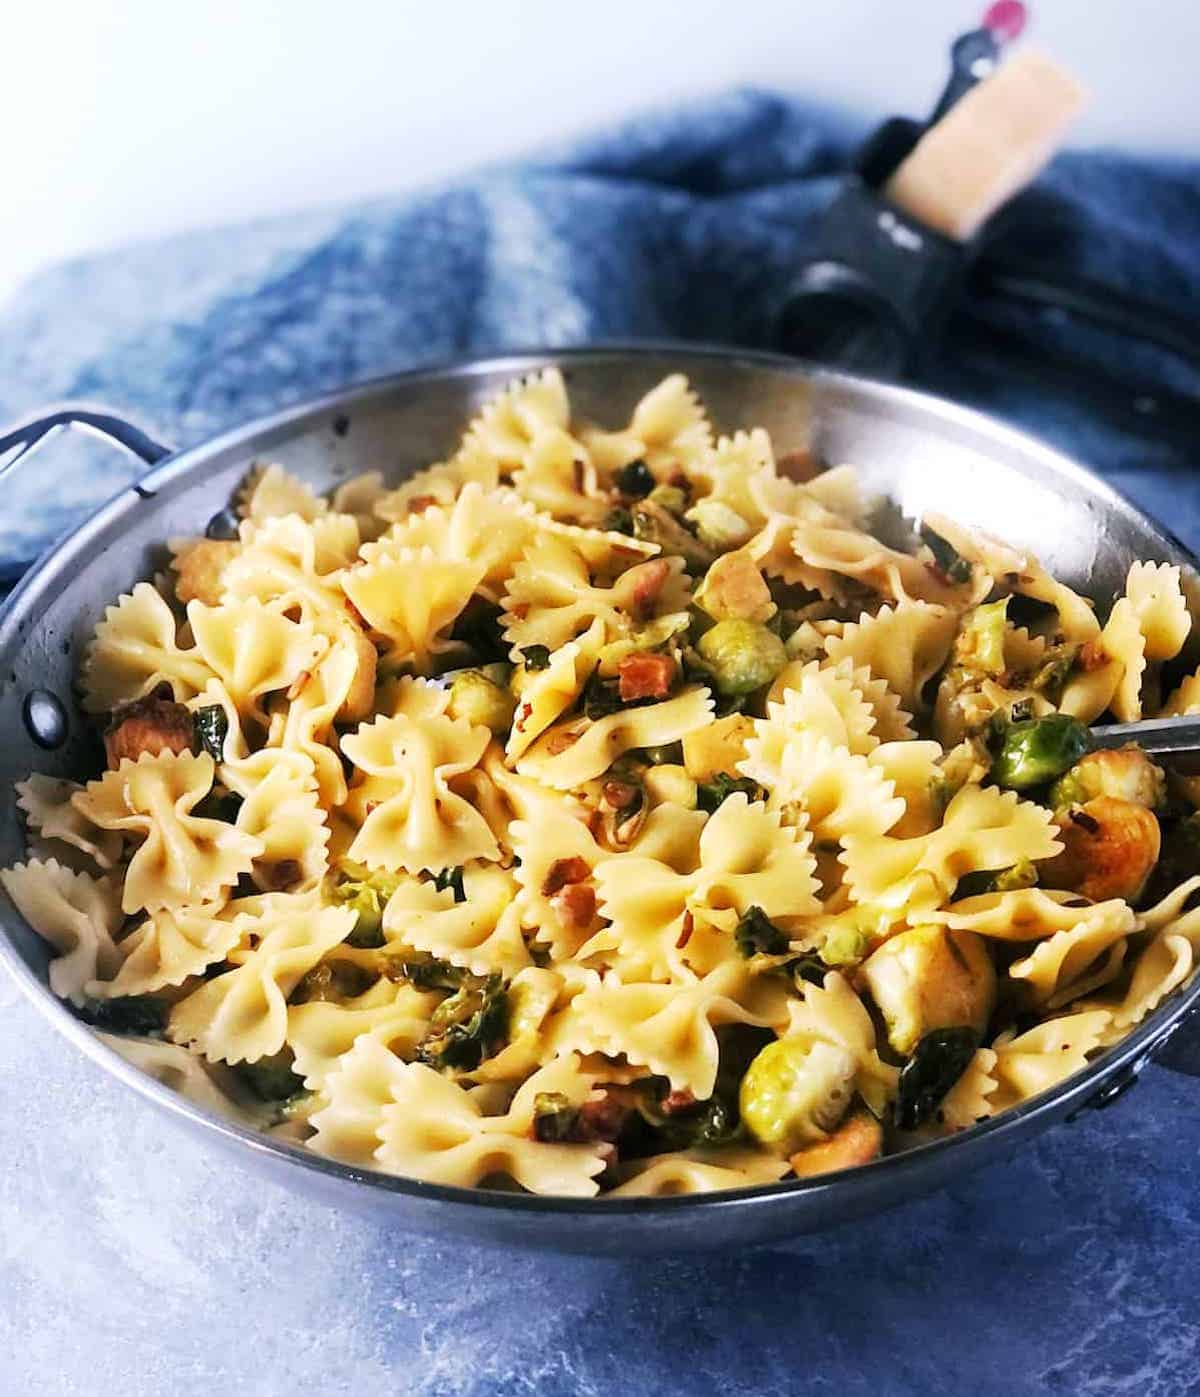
25	437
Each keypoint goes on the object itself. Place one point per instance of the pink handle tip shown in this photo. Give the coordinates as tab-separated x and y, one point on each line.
1006	19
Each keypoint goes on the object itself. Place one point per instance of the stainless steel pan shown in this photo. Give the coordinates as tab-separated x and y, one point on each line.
921	452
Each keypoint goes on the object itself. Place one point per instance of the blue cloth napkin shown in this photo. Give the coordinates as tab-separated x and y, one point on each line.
686	224
139	1259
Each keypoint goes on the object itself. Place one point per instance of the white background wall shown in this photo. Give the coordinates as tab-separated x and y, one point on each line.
124	119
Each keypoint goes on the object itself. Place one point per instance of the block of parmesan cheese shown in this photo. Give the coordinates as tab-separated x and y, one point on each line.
989	145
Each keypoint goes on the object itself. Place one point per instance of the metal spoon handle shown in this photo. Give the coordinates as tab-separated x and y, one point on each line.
1175	741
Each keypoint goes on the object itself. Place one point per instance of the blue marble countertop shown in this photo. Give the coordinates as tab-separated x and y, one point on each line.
140	1262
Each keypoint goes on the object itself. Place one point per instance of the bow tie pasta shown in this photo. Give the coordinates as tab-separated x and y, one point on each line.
609	812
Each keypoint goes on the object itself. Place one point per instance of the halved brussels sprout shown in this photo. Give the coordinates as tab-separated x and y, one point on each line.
481	701
1127	773
741	655
931	977
1039	749
796	1091
858	1140
1110	848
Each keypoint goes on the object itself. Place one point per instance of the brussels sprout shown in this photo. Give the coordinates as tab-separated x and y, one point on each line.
211	726
554	1118
1037	751
479	626
219	804
136	1014
717	525
1128	774
451	878
669	497
845	945
741	655
679	1122
979	645
468	1026
1023	874
426	972
937	1062
1110	847
636	480
756	933
946	558
480	701
795	1091
714	750
535	657
733	589
931	977
601	697
655	524
618	521
1051	674
803	645
331	981
858	1140
713	794
531	996
367	896
271	1078
671	784
966	764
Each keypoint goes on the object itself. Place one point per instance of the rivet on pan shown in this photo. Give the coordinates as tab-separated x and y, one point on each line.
45	718
223	525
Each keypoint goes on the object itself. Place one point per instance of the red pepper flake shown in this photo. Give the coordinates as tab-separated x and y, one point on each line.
676	1101
644	676
562	872
685	934
577	470
420	503
523	716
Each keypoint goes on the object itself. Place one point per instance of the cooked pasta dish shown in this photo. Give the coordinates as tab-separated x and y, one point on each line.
610	812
